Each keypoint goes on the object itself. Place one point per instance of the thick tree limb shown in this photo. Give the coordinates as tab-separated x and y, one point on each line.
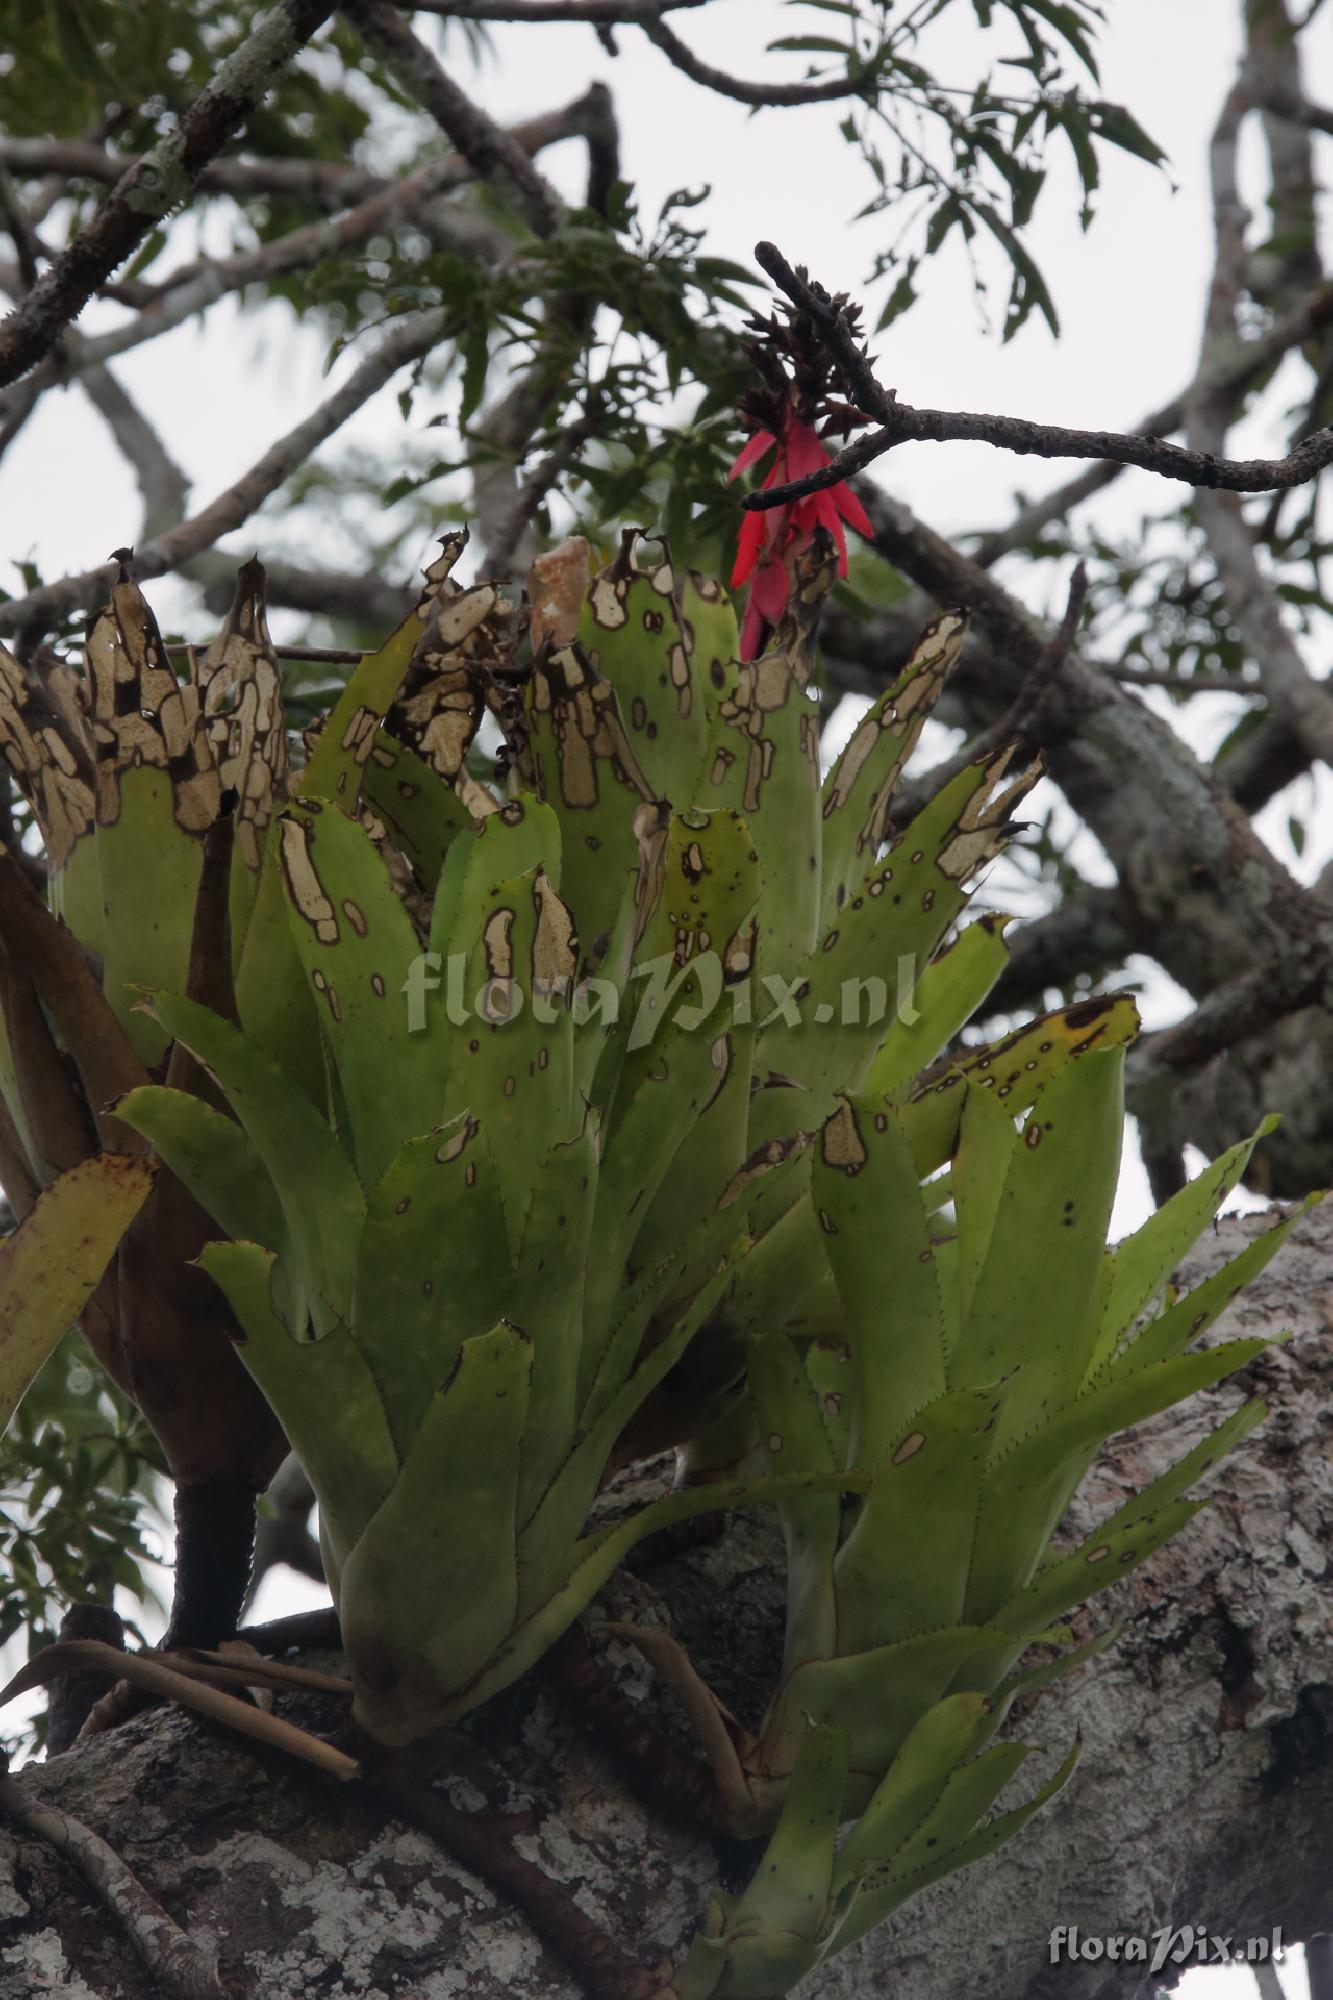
1203	1796
155	184
1231	1014
1204	895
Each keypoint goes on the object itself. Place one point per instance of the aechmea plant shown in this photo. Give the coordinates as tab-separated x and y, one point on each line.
990	1346
124	768
550	1152
548	1114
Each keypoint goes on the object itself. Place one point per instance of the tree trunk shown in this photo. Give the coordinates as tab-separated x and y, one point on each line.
1204	1797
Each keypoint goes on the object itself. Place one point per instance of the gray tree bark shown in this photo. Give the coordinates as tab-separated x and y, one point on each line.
1204	1796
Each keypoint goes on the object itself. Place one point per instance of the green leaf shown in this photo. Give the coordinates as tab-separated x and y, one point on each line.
878	1240
463	1468
1044	1258
320	1195
858	791
356	944
54	1261
945	997
1142	1263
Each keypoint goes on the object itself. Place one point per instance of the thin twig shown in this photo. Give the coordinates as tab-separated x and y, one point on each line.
1181	683
1235	371
900	423
179	1968
760	95
534	489
156	184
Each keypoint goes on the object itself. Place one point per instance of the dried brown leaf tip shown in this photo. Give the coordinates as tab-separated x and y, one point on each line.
240	683
142	715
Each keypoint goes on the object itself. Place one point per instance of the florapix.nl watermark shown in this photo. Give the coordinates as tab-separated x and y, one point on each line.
1174	1945
652	994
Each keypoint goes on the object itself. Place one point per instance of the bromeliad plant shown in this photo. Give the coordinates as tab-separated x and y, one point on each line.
552	1149
123	769
1014	1343
543	1122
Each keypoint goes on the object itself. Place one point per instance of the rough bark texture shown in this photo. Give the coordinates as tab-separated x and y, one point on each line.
1205	1794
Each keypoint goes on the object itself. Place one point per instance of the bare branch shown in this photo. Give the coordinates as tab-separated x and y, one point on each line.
1236	372
1200	890
1296	109
901	424
162	485
509	530
327	184
1196	683
758	94
408	341
1295	698
492	153
1085	936
365	600
1300	976
193	287
156	184
603	13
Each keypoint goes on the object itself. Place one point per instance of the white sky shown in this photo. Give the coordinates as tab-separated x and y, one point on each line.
1130	295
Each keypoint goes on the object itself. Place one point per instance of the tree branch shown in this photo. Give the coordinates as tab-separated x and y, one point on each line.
1203	893
1237	371
1218	1682
195	286
155	184
604	13
759	94
1085	935
901	424
163	487
490	150
1303	704
409	340
1024	722
512	525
